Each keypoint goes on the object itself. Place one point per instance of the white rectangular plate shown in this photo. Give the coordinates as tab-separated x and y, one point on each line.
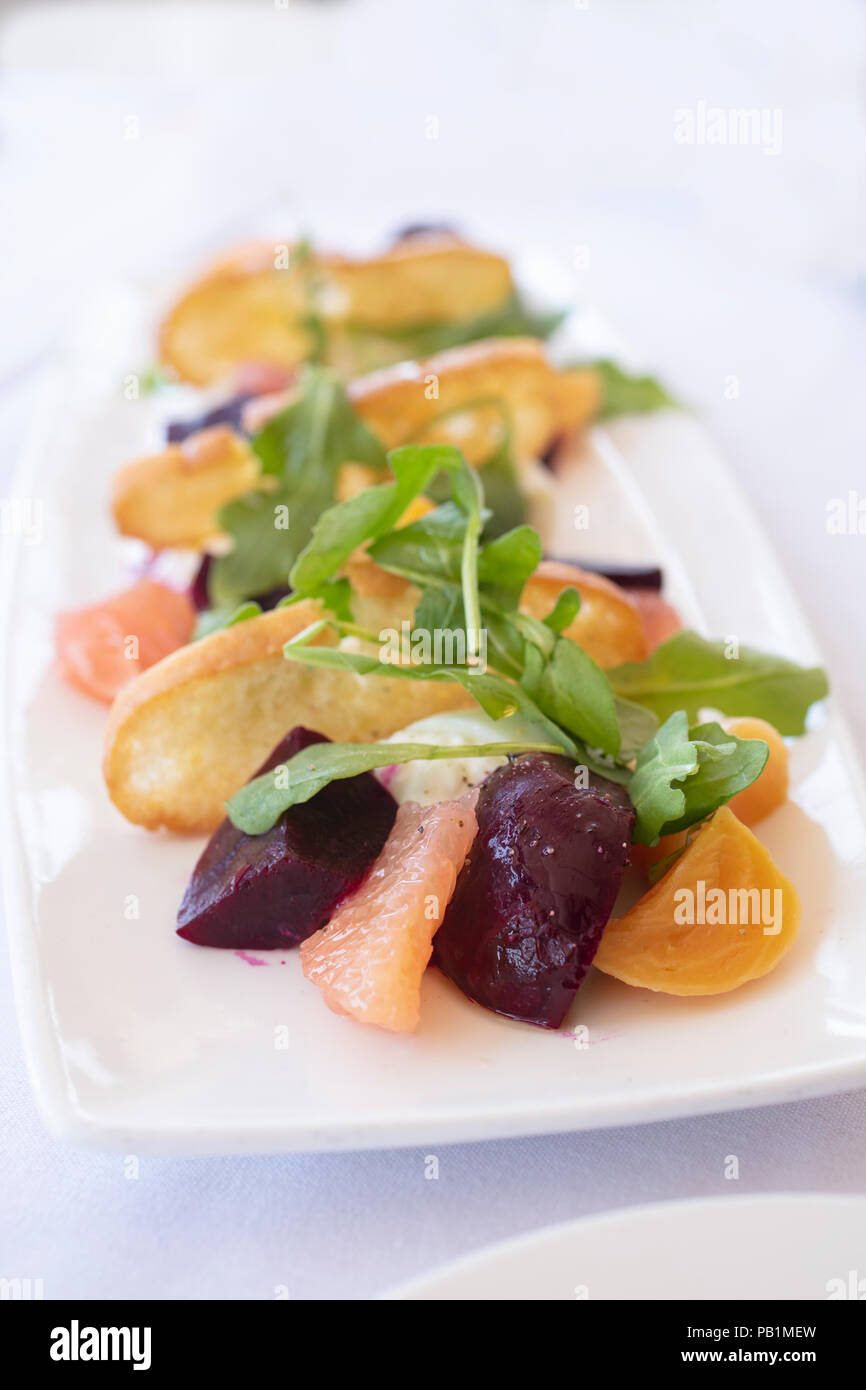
137	1040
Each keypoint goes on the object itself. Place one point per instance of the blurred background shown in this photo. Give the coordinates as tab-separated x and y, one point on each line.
137	139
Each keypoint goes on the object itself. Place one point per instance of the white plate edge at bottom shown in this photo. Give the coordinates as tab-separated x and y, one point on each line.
418	1287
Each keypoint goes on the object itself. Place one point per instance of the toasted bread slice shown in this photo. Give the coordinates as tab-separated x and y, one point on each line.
462	395
186	734
172	499
255	304
608	626
457	397
191	730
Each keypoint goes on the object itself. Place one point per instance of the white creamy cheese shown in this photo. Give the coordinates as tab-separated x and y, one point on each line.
449	778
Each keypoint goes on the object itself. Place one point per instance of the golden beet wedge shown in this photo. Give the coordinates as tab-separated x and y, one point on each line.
723	914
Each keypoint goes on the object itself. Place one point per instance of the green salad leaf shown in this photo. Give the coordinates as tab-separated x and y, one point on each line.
607	721
564	611
624	394
429	552
260	525
302	449
339	531
506	505
318	428
682	775
637	725
214	619
658	869
504	498
690	673
576	693
726	766
258	805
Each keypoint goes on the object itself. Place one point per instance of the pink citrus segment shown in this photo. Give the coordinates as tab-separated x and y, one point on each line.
103	647
369	960
660	619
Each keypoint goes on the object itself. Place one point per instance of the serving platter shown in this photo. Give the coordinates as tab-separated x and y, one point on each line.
138	1041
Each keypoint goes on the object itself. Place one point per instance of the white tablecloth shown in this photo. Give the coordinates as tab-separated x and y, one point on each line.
135	137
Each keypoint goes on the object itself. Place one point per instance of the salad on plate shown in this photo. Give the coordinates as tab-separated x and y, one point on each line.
412	735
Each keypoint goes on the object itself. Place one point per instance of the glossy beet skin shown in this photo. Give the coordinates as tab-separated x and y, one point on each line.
258	892
536	890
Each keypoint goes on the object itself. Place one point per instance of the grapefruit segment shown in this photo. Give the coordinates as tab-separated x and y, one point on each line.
102	648
660	619
369	960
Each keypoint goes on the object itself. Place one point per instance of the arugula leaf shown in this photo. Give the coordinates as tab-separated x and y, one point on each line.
668	758
320	426
689	673
505	564
302	449
727	765
259	805
505	498
500	698
427	550
661	866
375	512
564	611
534	631
531	676
214	619
624	394
576	693
429	553
469	495
637	725
261	525
361	662
340	530
506	645
440	609
506	503
681	776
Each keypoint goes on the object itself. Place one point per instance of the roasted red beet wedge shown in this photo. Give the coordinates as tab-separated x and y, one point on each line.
257	892
536	890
